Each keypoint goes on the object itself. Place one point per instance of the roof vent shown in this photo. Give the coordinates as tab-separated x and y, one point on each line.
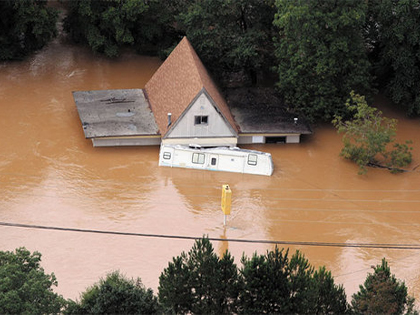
169	119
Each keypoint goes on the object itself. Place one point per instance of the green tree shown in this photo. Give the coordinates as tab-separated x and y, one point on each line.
199	282
321	54
230	36
24	286
107	25
393	37
329	298
25	26
368	135
382	293
116	294
273	283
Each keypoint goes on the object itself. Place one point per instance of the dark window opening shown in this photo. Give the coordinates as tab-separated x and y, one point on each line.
213	161
275	139
201	120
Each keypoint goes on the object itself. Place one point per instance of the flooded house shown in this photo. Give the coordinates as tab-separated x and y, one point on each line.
180	106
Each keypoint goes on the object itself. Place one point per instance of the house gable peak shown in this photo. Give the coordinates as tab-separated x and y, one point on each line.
176	84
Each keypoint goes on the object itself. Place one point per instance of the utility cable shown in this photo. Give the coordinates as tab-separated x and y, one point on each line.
298	243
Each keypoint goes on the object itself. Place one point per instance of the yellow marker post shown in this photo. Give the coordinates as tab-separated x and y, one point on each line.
226	201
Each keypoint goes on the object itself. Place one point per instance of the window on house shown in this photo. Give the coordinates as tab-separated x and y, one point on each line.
252	159
201	120
213	161
198	158
167	155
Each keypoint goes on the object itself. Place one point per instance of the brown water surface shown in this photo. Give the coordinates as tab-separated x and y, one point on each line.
51	175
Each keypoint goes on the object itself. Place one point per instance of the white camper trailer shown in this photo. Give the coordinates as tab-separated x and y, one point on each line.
228	159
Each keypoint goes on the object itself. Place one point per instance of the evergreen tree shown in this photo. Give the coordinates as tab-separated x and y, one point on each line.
329	298
382	293
273	283
199	282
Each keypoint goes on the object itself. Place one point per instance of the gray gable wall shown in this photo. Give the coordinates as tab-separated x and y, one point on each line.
202	105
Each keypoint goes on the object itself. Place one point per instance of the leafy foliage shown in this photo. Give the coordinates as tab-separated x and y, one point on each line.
107	25
230	35
368	135
382	293
393	35
321	54
199	282
116	295
25	26
273	283
24	287
322	50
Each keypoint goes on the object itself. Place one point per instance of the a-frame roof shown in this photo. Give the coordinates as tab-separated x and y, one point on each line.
177	82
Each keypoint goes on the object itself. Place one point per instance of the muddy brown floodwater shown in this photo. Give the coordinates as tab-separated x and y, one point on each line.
51	175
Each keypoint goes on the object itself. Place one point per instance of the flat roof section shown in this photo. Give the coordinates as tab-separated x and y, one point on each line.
260	110
113	113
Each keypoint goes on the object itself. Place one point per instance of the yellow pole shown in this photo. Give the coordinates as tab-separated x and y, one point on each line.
226	201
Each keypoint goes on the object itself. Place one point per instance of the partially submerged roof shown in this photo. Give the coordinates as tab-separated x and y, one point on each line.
111	113
177	82
260	110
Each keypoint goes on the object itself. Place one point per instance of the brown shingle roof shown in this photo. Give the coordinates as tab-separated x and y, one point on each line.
175	84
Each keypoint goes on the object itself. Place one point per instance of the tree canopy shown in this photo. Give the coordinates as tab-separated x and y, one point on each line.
392	34
25	26
322	49
230	35
275	283
116	294
199	282
24	286
368	135
321	54
382	293
108	25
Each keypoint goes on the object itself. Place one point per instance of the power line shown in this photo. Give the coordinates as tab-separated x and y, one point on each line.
182	237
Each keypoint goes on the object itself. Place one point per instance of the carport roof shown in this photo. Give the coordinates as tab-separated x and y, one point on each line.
261	111
112	113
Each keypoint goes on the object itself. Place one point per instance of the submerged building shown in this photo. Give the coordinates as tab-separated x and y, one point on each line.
180	105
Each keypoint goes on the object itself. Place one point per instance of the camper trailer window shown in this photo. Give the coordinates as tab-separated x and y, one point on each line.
252	159
167	155
201	120
198	158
